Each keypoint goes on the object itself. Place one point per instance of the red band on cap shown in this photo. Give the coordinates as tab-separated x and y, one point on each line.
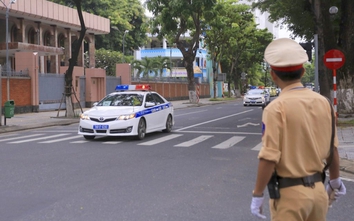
291	68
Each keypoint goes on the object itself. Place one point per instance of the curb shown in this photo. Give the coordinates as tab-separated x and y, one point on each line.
346	165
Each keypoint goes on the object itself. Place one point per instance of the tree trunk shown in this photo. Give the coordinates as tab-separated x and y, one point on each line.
188	57
326	41
73	61
345	78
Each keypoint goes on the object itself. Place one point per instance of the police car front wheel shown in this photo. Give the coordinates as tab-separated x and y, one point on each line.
168	124
141	129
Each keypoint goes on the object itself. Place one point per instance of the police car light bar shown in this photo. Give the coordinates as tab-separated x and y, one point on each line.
138	87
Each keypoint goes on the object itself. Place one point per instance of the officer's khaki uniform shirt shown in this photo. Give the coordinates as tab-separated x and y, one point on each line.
297	128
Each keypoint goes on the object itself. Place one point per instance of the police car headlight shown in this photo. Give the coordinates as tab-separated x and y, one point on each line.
84	117
126	117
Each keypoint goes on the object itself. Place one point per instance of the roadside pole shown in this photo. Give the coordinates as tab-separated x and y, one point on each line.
334	59
316	63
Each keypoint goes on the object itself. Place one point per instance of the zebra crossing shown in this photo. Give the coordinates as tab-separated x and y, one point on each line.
187	141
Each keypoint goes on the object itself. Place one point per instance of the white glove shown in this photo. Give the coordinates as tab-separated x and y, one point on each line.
335	188
257	207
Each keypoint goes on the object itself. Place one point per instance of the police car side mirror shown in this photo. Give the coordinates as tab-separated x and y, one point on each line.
149	104
94	104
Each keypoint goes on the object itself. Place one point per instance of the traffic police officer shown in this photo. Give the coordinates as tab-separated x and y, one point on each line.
297	130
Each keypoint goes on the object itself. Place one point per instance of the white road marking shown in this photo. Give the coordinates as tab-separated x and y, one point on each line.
112	142
246	124
8	135
347	179
80	141
257	147
177	115
40	138
160	140
194	141
206	122
219	132
16	138
229	143
62	139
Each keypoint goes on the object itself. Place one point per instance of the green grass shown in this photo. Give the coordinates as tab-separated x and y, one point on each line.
345	123
222	99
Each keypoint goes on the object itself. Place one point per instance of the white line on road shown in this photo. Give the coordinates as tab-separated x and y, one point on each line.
62	139
40	138
219	132
246	124
206	122
160	140
229	143
346	179
16	138
112	142
8	135
80	141
177	115
258	147
194	141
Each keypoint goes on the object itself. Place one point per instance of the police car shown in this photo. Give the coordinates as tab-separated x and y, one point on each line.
132	110
256	97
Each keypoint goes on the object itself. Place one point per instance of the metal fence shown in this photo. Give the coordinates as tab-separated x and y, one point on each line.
22	73
165	79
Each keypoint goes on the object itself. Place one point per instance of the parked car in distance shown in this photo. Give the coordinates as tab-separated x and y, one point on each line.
133	110
256	97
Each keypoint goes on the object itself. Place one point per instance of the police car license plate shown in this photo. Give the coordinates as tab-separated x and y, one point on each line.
100	127
253	102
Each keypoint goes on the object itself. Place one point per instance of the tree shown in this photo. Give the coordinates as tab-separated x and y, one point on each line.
308	17
161	63
123	15
176	19
233	39
145	66
76	45
107	60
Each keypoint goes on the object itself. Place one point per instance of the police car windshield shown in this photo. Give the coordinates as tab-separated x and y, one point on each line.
122	100
255	91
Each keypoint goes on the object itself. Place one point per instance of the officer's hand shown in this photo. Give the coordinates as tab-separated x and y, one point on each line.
257	207
335	189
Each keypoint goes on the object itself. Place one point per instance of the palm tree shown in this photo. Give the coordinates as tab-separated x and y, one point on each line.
144	66
162	63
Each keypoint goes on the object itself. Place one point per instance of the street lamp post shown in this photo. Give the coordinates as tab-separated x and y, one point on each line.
125	32
7	55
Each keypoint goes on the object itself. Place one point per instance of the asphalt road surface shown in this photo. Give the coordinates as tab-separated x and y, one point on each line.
203	171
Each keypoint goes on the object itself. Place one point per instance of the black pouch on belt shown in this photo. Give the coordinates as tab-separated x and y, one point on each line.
273	187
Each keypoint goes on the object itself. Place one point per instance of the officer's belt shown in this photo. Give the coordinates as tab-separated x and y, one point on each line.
308	181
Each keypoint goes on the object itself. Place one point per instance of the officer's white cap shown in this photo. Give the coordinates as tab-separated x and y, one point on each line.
285	54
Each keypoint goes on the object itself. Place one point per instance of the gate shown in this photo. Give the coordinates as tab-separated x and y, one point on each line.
51	89
111	83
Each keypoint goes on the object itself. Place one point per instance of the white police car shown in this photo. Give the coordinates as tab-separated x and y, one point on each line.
133	110
256	97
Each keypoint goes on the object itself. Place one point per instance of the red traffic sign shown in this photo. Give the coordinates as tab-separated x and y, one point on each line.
334	59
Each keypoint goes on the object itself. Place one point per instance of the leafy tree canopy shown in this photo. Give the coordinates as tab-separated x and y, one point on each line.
124	15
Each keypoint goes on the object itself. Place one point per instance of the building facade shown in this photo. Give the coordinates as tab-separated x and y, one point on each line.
48	29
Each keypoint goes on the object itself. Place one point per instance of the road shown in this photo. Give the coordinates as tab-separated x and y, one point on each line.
203	171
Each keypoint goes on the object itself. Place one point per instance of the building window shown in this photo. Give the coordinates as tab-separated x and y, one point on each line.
46	40
31	36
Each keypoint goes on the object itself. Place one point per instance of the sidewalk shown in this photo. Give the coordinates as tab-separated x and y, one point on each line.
55	118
